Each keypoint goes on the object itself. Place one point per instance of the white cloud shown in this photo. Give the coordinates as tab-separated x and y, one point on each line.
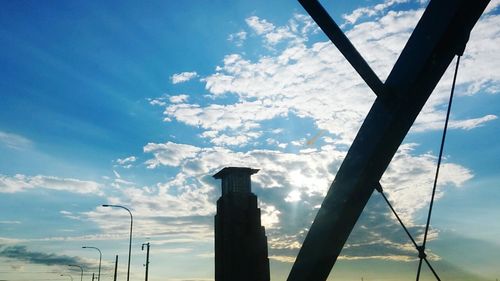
370	11
230	140
269	216
184	205
285	259
15	141
307	171
435	121
295	31
469	124
311	81
126	162
238	38
169	154
20	183
238	118
260	26
69	215
279	34
157	101
293	196
480	57
183	77
177	210
178	98
409	180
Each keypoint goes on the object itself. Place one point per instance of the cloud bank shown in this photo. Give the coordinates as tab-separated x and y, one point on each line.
21	253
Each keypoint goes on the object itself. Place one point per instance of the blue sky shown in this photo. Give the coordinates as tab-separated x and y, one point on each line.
139	104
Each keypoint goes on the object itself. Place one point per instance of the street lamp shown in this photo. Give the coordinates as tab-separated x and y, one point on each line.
100	258
81	268
68	275
130	241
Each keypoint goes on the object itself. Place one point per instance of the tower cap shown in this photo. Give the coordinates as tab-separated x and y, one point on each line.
235	170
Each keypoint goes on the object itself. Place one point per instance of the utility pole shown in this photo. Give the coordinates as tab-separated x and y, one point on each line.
147	258
116	267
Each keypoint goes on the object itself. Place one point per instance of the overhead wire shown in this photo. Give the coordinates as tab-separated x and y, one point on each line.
421	248
431	204
417	247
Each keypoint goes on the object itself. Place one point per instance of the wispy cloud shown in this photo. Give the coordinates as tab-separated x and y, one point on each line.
436	121
15	141
130	159
20	183
472	123
183	77
127	162
10	222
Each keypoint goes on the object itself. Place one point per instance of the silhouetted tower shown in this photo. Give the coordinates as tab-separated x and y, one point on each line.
240	239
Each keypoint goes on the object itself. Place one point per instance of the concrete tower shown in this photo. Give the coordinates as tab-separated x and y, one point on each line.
240	239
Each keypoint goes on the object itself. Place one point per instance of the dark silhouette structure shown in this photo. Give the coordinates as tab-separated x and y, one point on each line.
147	258
240	239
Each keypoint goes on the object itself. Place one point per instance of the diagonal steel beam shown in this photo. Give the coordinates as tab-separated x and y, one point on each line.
338	38
441	33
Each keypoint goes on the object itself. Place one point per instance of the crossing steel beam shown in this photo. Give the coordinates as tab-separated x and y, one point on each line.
338	38
441	33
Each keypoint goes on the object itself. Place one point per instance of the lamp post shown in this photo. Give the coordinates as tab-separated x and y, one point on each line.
81	268
147	257
68	275
100	258
130	241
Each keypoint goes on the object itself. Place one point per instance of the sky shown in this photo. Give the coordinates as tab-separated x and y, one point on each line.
140	103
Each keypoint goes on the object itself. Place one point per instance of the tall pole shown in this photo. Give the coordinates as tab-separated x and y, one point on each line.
130	241
116	267
147	258
100	258
81	268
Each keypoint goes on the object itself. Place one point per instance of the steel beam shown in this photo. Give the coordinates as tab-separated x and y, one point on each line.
441	33
338	38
